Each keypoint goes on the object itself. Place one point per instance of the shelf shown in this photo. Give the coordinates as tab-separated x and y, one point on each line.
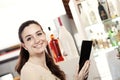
9	53
78	1
9	56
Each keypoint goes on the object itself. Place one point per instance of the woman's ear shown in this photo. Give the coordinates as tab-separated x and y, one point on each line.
23	45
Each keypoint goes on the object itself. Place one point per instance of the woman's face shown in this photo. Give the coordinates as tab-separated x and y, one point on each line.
34	39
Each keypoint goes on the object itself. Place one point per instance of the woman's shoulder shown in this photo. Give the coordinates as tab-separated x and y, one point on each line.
33	72
29	73
33	68
27	68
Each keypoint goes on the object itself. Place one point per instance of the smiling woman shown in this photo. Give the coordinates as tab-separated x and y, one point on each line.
11	16
35	58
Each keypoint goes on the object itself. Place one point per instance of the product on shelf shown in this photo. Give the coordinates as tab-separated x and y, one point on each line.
112	37
67	42
102	12
55	49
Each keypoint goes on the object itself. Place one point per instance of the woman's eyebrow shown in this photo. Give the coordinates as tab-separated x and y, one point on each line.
39	31
27	36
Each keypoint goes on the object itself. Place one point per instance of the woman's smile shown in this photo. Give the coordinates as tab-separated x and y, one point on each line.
38	45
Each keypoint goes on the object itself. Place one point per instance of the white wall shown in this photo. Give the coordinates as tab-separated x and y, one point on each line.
14	12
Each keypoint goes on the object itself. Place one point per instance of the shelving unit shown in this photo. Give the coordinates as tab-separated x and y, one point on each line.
9	53
87	22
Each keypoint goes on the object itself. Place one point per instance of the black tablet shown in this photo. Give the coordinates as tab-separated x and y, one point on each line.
85	52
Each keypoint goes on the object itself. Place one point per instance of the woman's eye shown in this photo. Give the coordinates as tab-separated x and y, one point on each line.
39	34
28	39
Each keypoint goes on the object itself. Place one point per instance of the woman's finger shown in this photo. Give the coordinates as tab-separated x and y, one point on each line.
86	66
85	69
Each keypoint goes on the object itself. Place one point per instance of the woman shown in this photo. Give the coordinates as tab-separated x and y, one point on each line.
35	63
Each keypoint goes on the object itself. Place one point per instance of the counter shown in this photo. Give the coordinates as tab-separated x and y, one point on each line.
108	64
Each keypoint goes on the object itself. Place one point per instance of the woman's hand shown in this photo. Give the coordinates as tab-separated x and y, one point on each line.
83	74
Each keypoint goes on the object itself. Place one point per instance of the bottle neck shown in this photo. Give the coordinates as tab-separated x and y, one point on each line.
52	36
60	22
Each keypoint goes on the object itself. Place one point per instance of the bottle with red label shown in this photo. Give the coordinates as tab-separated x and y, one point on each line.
55	49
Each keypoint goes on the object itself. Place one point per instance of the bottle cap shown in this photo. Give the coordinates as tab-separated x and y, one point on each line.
51	36
49	28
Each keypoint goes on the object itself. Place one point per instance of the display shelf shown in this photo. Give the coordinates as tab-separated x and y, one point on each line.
101	29
9	53
107	58
9	56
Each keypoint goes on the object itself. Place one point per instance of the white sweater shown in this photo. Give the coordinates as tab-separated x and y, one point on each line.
34	72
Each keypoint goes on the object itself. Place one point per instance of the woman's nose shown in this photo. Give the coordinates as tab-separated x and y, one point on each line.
37	39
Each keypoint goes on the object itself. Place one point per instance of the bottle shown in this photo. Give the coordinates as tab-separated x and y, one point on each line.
102	12
49	32
113	40
67	42
55	49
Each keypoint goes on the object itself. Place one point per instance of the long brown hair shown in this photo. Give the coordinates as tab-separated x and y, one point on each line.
24	55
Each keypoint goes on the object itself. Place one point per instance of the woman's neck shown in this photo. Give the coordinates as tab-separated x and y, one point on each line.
38	60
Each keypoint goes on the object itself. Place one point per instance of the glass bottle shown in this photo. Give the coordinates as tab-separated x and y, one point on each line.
67	42
102	12
55	49
111	35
